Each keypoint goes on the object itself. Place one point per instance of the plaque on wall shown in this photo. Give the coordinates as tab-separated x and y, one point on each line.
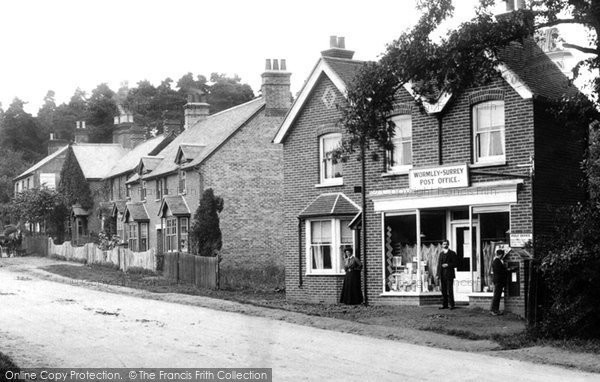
519	240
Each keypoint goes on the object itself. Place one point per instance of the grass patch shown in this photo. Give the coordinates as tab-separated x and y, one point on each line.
269	278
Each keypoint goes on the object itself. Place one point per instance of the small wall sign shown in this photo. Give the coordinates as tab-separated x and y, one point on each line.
520	239
439	177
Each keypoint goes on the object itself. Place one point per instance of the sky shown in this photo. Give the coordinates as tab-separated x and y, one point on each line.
62	44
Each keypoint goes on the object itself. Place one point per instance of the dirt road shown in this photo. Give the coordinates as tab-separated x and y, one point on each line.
43	323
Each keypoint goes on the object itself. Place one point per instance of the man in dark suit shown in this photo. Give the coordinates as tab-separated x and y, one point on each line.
499	276
445	272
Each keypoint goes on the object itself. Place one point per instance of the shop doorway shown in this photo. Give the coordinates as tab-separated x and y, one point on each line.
465	244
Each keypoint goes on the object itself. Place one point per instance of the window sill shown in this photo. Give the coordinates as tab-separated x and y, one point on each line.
395	173
324	274
334	183
501	162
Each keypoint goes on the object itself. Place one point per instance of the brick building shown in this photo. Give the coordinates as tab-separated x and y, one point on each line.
232	153
484	169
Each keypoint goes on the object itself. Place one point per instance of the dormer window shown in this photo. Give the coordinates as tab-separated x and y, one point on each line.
331	165
488	132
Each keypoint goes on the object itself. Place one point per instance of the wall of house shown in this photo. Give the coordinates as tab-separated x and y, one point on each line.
301	169
247	172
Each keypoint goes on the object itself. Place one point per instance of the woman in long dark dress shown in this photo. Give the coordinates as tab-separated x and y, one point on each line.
351	290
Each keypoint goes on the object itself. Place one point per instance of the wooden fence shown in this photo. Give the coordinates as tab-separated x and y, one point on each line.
90	253
198	270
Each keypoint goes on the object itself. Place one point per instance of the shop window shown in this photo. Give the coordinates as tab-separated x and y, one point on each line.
171	234
401	252
143	237
488	132
331	166
327	240
494	232
184	225
399	158
133	236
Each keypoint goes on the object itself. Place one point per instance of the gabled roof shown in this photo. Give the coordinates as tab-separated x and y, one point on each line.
211	133
517	69
118	206
136	211
334	204
174	203
42	162
187	152
97	159
133	178
130	160
148	164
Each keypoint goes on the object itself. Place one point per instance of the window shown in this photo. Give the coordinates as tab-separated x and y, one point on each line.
133	236
184	235
171	234
488	126
127	190
143	237
143	190
48	181
326	241
119	191
399	158
331	167
120	227
159	187
181	182
166	187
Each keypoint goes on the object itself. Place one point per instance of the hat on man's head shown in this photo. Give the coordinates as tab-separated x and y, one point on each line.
500	252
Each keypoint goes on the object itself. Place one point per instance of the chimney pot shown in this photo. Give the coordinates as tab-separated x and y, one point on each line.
275	64
333	41
341	42
268	64
51	136
283	65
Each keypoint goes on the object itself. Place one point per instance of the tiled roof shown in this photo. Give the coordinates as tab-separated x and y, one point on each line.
176	204
42	162
97	159
536	69
150	163
133	178
136	211
118	206
344	68
130	160
330	205
211	132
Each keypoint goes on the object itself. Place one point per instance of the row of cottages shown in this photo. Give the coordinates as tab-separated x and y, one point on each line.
153	198
96	161
483	169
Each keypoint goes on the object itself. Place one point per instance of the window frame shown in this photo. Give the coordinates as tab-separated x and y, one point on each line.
333	181
336	245
143	190
171	234
182	182
133	235
402	168
489	159
159	188
143	237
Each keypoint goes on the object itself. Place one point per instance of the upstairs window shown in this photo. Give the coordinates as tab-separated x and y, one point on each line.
331	166
399	157
159	189
182	181
488	132
143	190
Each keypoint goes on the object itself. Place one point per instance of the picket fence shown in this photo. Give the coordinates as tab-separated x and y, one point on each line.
91	253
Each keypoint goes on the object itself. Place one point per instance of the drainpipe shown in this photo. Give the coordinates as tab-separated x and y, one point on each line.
299	252
364	219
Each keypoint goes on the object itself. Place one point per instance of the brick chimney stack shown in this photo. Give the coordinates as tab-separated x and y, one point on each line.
81	132
125	132
196	109
276	88
337	48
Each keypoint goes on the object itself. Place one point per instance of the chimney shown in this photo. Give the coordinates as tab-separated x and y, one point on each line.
196	109
55	144
337	48
276	88
125	132
81	132
514	5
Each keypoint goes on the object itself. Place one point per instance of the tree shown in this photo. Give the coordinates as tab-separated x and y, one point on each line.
468	57
11	165
226	92
20	131
101	109
42	206
46	113
73	186
205	234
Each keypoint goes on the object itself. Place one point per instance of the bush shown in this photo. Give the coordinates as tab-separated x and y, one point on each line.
571	272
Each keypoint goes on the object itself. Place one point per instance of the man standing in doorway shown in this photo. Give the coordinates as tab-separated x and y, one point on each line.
445	272
499	276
